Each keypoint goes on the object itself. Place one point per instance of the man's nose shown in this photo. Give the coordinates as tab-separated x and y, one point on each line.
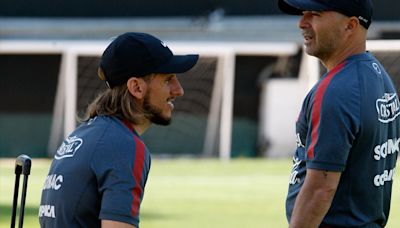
177	89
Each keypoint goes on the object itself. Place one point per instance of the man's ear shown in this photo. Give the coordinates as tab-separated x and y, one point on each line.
352	24
137	87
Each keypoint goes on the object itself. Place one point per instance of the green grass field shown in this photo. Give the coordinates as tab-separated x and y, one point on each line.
186	193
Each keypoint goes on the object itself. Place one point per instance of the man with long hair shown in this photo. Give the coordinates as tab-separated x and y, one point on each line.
99	173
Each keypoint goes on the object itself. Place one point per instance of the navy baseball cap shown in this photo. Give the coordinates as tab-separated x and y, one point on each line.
362	9
139	54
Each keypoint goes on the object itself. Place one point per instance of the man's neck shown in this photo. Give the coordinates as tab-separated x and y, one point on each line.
141	128
342	55
353	45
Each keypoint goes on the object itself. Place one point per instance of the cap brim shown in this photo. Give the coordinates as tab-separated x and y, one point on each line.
296	7
178	64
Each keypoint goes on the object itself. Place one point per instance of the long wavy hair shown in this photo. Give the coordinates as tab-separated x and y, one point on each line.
117	102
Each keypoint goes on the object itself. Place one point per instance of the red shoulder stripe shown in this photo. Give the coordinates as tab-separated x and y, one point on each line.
137	171
138	175
316	112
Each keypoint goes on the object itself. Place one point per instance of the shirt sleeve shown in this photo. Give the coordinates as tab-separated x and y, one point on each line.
334	120
121	165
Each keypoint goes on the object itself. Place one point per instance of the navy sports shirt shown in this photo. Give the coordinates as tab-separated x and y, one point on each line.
98	173
350	123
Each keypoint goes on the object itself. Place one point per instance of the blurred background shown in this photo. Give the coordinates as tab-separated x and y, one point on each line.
241	99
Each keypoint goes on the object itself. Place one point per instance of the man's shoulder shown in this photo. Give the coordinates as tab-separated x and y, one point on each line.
363	64
106	123
104	131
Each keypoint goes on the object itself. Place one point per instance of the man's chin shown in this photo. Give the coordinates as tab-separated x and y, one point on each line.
159	120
